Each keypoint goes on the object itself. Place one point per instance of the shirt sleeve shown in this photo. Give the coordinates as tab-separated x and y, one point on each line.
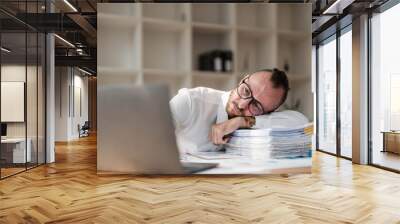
180	106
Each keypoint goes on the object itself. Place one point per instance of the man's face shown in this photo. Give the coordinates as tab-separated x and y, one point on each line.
262	90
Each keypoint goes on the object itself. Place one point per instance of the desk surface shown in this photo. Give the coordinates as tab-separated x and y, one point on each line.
13	140
390	132
244	165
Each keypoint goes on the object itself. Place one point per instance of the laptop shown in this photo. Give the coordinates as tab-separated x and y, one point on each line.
137	135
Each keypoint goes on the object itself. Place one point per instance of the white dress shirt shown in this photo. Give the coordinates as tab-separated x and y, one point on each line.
194	111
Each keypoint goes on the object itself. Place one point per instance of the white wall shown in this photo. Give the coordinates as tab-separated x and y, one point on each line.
67	115
62	81
80	83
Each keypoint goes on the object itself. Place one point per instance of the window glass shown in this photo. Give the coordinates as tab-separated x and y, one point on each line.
327	96
385	85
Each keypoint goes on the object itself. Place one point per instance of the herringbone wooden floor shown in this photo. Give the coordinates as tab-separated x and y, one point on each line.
69	191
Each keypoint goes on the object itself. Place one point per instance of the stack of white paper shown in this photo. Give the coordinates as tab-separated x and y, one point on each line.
272	143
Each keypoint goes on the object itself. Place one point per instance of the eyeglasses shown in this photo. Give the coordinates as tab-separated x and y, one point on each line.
244	92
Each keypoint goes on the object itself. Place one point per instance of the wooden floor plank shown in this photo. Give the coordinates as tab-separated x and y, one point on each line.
70	191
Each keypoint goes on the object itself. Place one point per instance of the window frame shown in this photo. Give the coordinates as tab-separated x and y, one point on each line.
31	30
333	37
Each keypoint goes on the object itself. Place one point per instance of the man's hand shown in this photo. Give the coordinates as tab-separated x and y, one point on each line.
219	131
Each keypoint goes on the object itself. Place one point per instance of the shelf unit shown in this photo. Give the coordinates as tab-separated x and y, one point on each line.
213	13
112	75
294	39
166	11
256	16
160	43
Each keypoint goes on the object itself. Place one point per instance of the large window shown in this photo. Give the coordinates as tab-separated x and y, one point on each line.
385	88
327	95
335	74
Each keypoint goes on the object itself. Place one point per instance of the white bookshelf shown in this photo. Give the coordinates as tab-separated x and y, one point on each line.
112	20
254	53
166	11
160	43
256	16
213	13
217	80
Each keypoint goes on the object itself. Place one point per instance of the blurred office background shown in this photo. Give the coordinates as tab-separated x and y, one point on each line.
212	45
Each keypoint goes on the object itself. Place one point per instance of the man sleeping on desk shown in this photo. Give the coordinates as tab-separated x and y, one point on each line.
204	117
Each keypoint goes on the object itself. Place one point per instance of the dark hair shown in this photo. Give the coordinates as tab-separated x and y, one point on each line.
279	80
